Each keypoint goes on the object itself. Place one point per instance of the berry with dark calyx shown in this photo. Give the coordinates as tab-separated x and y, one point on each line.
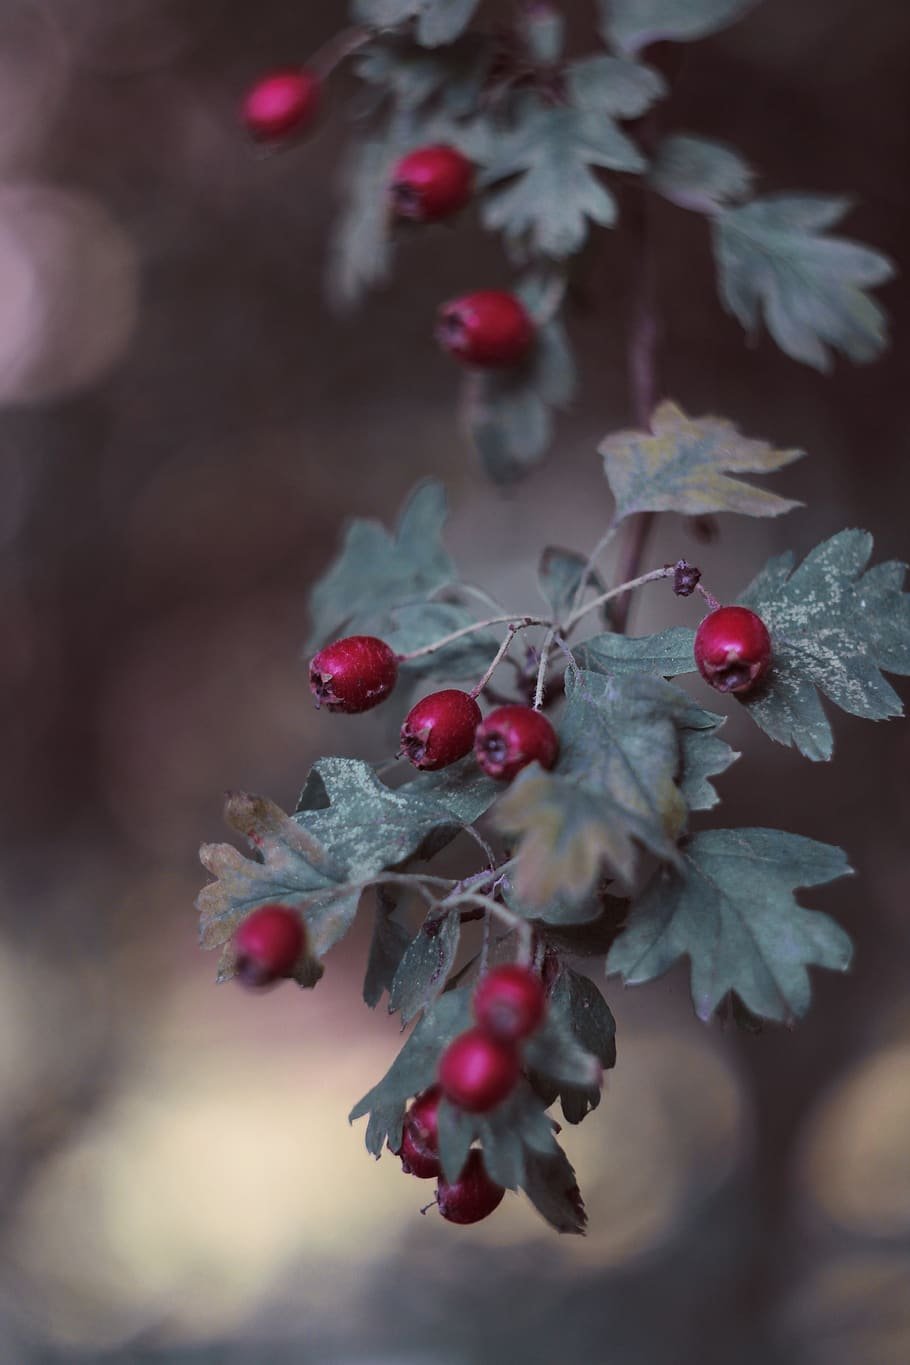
353	674
470	1198
491	329
268	945
280	103
510	1003
431	183
733	649
440	729
419	1150
513	736
477	1072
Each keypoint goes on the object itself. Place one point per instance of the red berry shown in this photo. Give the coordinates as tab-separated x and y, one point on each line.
268	945
490	328
472	1196
420	1136
431	183
510	1003
511	737
353	674
440	729
733	649
477	1072
280	103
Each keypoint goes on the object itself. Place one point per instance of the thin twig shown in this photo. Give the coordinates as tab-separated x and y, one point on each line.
520	623
338	48
497	660
591	564
623	588
542	668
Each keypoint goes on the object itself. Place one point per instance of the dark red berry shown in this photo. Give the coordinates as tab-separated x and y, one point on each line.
511	737
280	103
490	328
733	649
420	1136
431	183
477	1072
353	674
268	945
440	729
510	1003
472	1196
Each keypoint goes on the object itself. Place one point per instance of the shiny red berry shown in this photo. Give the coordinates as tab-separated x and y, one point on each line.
420	1136
510	1003
490	329
513	736
472	1196
431	183
733	649
280	103
268	945
477	1072
353	674
440	729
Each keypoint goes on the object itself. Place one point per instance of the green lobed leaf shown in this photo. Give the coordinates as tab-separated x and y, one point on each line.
616	784
730	908
413	76
551	1186
413	1070
438	21
376	571
461	789
835	624
699	174
387	947
581	1011
360	248
417	624
668	654
548	156
631	25
425	965
679	466
775	261
614	86
558	576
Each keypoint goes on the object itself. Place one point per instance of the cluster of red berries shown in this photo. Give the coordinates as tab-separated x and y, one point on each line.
490	328
358	672
477	1071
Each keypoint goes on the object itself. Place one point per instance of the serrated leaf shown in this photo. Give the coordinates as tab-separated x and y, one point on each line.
413	76
509	412
376	571
508	1134
438	21
551	151
699	174
360	247
835	624
558	576
387	947
614	86
461	789
584	1014
776	262
730	908
418	624
425	965
551	1186
413	1070
615	785
668	654
679	466
556	1053
632	25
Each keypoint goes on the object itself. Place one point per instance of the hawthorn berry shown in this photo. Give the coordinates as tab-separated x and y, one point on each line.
268	945
431	183
510	1003
733	649
440	729
513	736
353	674
420	1136
472	1196
477	1072
491	329
281	102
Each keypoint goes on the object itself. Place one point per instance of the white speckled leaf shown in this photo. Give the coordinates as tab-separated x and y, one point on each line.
776	262
631	25
425	966
683	464
834	626
418	624
731	910
699	174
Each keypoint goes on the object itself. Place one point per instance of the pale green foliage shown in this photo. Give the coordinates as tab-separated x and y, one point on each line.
438	21
683	464
666	654
729	907
699	174
775	261
632	25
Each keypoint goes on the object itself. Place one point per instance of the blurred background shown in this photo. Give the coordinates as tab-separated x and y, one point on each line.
184	426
